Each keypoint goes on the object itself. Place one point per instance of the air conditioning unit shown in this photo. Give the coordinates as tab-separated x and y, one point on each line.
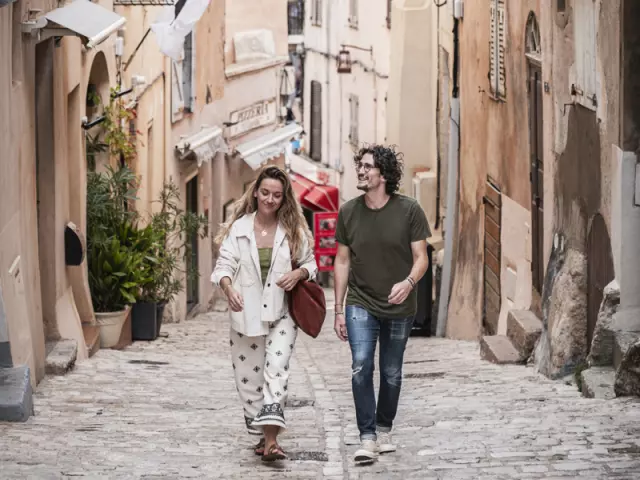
425	190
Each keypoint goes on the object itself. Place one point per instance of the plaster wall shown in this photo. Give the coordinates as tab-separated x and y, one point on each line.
494	144
368	81
412	98
22	260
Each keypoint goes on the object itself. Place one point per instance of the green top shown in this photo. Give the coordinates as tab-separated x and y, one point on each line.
380	245
265	262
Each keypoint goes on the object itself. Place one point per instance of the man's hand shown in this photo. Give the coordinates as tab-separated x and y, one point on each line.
340	327
400	292
236	303
290	280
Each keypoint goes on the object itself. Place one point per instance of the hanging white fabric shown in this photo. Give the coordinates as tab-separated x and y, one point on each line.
171	30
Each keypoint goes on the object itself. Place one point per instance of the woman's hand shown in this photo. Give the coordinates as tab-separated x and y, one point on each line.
235	299
291	279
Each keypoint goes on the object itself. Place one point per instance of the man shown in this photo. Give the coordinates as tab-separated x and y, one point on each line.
382	254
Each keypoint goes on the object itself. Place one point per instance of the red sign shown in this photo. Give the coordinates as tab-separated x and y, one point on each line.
325	235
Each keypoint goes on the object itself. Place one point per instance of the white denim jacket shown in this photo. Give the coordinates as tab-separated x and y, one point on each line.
238	259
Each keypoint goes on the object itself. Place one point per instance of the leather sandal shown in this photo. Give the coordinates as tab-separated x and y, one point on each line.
259	448
275	453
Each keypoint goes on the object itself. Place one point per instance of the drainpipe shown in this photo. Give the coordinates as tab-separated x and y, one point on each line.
451	221
328	84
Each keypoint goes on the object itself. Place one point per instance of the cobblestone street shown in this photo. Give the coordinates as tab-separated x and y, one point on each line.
168	409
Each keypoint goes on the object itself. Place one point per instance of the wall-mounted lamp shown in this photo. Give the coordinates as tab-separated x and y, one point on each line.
344	57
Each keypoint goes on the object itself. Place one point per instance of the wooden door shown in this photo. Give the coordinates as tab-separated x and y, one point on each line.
536	177
492	255
192	258
599	271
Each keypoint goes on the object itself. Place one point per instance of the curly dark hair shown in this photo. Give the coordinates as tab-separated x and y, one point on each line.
389	162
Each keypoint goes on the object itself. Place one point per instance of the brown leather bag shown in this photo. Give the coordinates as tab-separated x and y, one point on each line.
307	306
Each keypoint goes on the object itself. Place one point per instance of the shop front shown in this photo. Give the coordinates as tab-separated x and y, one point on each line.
320	203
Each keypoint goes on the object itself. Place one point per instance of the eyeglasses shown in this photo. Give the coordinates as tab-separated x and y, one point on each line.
365	166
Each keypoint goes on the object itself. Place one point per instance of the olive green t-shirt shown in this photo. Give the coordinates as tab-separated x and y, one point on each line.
380	245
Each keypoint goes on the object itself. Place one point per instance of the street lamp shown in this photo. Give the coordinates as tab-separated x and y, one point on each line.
344	57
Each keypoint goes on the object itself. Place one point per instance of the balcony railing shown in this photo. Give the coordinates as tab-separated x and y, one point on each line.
296	17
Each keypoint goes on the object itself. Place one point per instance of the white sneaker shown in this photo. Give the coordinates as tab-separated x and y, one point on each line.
385	443
367	453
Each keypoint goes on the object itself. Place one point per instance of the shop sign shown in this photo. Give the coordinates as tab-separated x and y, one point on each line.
252	117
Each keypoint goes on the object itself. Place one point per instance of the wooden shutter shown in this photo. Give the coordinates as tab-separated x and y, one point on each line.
492	257
497	49
316	14
354	114
585	47
353	12
315	145
502	47
188	73
177	94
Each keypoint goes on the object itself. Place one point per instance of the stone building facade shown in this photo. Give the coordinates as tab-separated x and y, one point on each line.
206	121
43	177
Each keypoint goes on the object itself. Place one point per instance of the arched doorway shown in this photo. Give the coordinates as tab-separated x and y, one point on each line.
600	271
533	52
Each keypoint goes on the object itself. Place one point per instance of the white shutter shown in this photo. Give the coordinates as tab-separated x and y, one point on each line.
502	47
177	91
316	12
497	49
585	46
353	12
354	105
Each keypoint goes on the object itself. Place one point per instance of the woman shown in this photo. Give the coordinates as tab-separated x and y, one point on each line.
254	269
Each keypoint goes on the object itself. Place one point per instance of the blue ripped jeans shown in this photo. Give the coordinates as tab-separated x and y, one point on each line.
363	330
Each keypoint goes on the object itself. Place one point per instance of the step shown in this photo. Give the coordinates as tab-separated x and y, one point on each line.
91	338
499	349
598	382
16	395
622	341
61	356
523	329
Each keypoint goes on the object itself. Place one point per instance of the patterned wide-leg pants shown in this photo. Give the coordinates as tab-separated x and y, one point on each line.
261	367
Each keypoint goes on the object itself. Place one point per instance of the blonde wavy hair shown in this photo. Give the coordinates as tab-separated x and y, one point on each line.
290	214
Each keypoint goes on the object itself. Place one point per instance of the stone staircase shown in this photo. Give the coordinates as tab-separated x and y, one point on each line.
523	330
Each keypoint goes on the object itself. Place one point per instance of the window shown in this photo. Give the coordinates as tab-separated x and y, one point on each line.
354	115
584	20
353	13
295	17
497	50
562	6
533	50
389	7
182	88
316	12
315	141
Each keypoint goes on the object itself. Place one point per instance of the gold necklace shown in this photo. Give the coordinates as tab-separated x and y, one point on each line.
264	231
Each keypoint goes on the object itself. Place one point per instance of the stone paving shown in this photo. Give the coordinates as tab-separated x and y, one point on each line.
168	410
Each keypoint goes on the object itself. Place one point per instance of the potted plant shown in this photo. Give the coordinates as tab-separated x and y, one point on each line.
171	229
115	268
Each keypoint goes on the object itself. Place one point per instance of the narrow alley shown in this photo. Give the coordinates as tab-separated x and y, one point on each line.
168	409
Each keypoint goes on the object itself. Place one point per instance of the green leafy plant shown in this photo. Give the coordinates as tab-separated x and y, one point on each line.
116	248
115	276
174	229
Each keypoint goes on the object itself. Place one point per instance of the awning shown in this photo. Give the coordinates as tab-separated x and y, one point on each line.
259	151
203	145
324	198
87	20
